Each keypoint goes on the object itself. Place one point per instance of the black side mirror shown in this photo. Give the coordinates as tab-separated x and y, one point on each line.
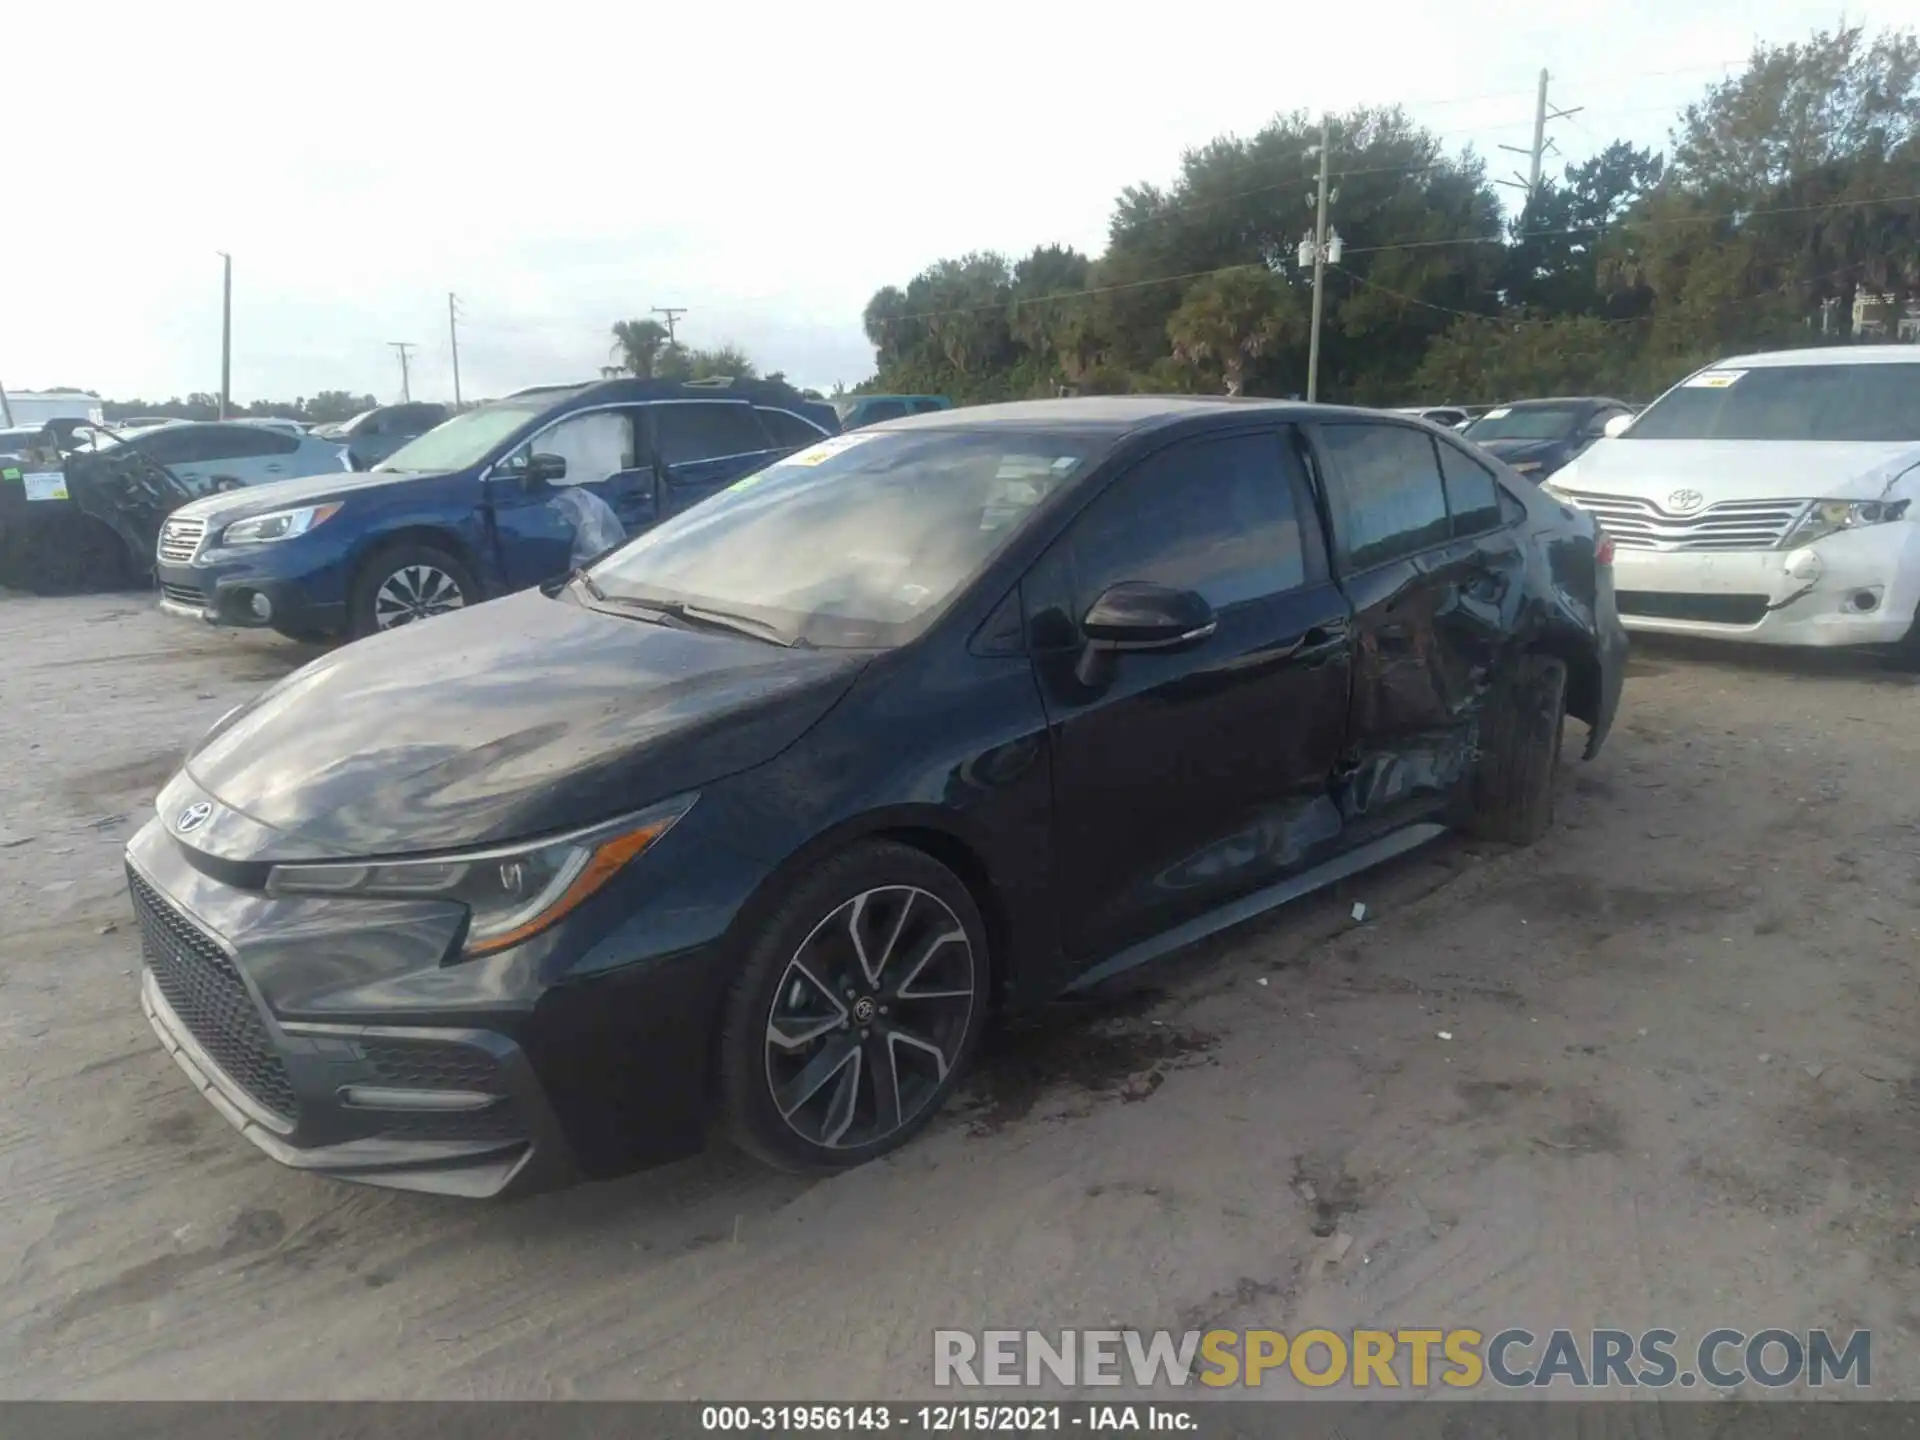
1135	615
545	468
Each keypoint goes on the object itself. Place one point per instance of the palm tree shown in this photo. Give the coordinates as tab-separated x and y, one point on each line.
1230	319
637	345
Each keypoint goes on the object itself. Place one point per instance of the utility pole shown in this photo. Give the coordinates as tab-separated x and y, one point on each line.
406	389
1319	247
453	339
673	314
226	334
1536	153
6	407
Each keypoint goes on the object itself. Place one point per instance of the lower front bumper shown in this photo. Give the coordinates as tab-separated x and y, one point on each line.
1854	588
230	601
468	1168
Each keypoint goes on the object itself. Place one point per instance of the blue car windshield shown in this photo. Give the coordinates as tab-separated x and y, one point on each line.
859	542
462	441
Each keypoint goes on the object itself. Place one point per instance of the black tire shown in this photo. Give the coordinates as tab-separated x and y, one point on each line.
368	609
920	1043
1513	786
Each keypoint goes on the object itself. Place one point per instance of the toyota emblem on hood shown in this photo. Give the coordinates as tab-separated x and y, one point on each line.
193	817
1684	502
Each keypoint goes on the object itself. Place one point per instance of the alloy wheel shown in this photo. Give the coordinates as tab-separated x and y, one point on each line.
415	592
869	1017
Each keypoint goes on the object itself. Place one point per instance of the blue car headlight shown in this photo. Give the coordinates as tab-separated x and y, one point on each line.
278	524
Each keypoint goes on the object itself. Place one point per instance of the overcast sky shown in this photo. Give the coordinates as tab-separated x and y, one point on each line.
562	166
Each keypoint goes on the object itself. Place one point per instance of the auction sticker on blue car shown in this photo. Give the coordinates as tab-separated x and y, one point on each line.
45	484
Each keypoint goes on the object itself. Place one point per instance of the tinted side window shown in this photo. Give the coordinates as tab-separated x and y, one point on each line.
883	410
705	430
789	429
927	407
1473	497
1213	516
1386	491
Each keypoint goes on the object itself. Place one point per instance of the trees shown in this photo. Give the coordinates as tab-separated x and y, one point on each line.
1227	321
1788	191
638	346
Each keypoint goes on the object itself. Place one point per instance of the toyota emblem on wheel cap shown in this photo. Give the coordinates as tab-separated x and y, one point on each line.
193	817
1683	501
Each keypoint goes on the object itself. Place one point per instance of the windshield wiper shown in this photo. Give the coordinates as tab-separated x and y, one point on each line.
685	616
739	624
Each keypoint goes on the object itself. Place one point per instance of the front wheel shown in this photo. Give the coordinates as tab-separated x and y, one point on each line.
1512	792
861	1002
406	583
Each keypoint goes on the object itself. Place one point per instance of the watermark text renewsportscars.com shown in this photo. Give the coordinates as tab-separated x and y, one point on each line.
1403	1359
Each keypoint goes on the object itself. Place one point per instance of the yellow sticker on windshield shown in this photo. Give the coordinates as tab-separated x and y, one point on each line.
1714	380
826	450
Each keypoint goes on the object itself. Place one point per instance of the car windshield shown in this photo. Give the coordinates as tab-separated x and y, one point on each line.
462	441
1865	403
1535	422
858	542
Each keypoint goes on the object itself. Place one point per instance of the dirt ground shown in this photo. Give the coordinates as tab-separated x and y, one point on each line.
1682	1088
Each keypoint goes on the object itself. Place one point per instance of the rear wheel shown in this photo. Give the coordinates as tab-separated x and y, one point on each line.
407	583
1512	793
860	1003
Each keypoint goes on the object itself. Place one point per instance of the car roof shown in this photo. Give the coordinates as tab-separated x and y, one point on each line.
1115	414
635	390
1889	354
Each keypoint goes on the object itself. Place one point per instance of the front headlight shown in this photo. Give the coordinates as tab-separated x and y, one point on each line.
512	892
1829	517
277	525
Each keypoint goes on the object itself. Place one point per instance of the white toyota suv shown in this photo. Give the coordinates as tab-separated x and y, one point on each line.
1768	498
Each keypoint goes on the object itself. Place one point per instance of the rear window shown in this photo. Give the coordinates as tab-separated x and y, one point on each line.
1859	402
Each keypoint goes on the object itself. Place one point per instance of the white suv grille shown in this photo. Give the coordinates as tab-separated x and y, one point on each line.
180	540
1637	524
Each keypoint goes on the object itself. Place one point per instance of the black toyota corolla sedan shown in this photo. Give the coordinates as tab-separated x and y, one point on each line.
757	821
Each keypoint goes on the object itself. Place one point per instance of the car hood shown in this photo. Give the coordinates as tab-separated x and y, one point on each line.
230	505
521	717
1740	469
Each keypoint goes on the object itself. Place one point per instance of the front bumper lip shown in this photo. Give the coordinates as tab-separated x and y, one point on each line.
472	1169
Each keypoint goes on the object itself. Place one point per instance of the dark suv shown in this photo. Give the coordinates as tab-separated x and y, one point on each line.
501	497
759	819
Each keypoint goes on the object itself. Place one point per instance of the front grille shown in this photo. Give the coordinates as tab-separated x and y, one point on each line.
1714	609
188	595
204	987
1637	524
441	1065
180	540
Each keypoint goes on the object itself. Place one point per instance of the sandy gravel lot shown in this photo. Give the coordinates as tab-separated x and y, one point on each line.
1682	1089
